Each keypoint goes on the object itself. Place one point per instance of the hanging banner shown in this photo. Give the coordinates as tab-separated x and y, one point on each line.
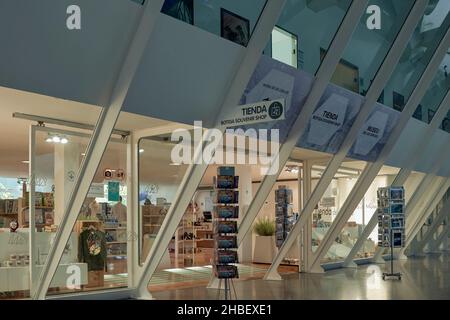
332	119
113	190
374	134
273	80
263	111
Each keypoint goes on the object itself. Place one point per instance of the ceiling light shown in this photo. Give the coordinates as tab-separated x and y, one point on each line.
56	139
83	154
141	150
64	140
49	139
25	161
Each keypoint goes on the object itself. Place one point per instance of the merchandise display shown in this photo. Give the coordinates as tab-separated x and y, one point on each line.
225	226
391	221
193	243
284	217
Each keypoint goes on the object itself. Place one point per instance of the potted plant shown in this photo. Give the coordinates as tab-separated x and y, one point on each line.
265	248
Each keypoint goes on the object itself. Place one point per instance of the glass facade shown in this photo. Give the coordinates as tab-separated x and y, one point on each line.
423	43
313	24
137	181
232	20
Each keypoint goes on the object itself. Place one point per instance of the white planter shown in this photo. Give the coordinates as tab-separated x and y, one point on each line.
265	249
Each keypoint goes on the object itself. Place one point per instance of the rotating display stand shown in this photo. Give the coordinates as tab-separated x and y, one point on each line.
226	213
391	223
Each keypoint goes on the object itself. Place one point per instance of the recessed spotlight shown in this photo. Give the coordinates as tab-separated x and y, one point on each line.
25	161
56	139
141	150
83	154
49	139
64	140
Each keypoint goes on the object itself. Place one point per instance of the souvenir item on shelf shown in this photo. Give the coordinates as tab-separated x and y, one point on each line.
284	217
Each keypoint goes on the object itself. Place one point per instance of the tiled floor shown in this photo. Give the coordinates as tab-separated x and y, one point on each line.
423	278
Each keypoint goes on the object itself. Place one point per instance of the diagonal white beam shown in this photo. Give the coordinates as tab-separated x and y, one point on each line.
98	143
194	173
402	176
434	244
372	170
323	77
437	221
374	92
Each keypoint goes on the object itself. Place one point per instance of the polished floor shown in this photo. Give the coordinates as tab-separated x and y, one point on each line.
422	278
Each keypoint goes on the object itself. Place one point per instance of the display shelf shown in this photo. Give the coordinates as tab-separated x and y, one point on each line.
118	228
115	242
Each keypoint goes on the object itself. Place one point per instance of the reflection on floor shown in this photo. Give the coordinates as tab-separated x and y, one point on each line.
423	278
177	278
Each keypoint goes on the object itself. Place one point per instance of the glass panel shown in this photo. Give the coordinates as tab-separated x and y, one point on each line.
314	24
56	165
95	256
234	20
434	95
190	254
333	199
281	208
367	48
159	180
425	39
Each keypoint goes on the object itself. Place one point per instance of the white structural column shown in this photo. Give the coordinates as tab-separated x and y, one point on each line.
306	244
437	221
324	74
99	141
372	170
133	225
194	172
67	162
372	96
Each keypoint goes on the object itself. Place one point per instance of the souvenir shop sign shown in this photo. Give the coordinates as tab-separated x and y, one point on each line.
247	114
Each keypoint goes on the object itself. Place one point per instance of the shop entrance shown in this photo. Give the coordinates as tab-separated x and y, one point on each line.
96	255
